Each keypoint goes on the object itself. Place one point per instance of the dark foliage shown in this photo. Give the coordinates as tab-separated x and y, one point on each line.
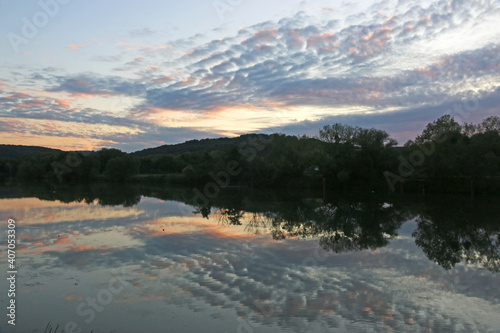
16	151
196	146
446	156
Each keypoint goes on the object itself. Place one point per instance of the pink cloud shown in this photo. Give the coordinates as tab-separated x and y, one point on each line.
326	38
266	35
163	79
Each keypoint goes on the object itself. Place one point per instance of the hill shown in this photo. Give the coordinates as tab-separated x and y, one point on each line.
196	146
17	151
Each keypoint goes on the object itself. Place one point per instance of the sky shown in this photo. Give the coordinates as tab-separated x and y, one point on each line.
82	75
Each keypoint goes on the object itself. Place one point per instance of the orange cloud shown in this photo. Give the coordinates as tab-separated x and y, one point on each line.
90	95
85	248
61	240
74	47
47	212
61	103
193	224
16	96
56	142
31	103
70	135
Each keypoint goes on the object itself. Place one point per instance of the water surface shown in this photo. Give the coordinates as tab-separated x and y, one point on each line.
129	259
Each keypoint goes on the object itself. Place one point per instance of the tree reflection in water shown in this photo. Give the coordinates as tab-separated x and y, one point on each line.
455	232
448	233
449	230
340	227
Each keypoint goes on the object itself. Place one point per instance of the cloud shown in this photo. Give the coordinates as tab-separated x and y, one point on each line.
296	62
379	66
406	122
74	47
89	84
131	65
41	120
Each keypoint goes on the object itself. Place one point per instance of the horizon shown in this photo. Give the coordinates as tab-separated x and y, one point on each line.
143	75
398	145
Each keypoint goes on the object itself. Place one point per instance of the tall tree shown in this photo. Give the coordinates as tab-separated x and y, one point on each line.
437	130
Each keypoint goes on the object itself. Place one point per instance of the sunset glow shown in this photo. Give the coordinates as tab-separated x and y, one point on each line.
144	74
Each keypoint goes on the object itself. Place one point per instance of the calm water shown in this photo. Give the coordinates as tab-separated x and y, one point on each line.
129	259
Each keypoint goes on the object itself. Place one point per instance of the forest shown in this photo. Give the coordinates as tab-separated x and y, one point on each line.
445	157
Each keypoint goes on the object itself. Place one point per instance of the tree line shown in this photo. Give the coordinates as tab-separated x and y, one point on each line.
446	156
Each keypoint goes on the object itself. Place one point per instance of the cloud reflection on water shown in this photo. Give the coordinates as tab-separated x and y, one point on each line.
176	258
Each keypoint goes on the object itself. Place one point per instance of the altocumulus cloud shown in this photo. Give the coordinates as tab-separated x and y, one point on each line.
385	65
